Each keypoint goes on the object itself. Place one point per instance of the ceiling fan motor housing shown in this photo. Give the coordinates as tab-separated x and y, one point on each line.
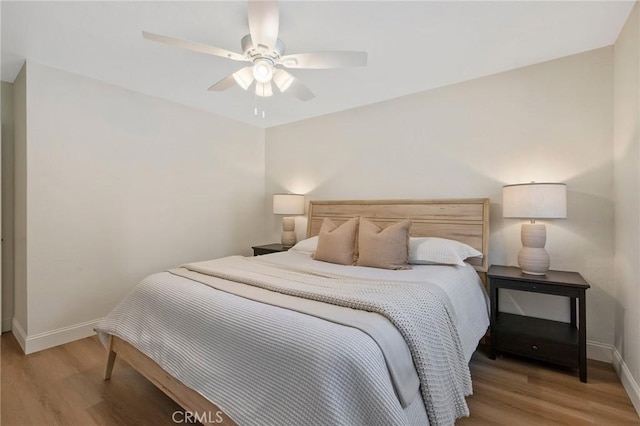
254	52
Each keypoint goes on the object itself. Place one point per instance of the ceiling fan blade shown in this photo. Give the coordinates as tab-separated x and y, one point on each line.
300	91
264	22
286	82
224	84
318	60
195	46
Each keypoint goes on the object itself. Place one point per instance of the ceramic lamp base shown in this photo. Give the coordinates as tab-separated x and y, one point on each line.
533	259
288	232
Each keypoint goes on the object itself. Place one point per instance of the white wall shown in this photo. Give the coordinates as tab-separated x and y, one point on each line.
122	185
627	199
20	318
7	205
547	122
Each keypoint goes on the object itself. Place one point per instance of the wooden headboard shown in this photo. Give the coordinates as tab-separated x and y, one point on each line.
465	220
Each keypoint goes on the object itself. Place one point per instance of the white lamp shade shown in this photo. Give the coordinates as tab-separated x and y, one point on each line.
264	89
282	79
262	70
535	201
244	77
288	204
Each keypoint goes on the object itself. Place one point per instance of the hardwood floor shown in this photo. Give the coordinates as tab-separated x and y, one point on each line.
64	386
513	391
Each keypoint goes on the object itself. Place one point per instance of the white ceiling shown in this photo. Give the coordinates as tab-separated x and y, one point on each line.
412	46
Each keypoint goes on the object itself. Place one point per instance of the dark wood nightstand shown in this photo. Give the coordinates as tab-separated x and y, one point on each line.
552	341
268	248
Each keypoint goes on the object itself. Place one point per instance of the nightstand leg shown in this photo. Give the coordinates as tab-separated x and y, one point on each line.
572	301
583	337
494	317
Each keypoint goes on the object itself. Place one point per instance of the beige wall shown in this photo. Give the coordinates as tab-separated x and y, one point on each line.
7	204
20	200
627	199
122	185
547	122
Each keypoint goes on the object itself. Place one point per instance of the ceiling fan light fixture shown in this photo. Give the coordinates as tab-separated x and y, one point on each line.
263	70
282	79
244	77
264	89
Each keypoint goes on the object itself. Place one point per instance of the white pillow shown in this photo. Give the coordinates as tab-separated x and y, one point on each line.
307	246
431	250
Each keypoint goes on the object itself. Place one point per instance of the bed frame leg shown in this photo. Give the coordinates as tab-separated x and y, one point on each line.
111	359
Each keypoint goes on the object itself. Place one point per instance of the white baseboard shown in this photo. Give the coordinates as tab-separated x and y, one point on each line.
600	351
629	383
19	334
49	339
610	354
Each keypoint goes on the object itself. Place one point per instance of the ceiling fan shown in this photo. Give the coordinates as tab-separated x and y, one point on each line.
265	51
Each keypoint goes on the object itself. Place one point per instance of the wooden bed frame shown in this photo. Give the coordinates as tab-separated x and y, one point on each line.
465	220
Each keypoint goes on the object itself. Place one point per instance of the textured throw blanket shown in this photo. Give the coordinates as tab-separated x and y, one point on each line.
396	353
421	312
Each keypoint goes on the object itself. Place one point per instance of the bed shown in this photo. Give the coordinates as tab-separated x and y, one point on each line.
280	361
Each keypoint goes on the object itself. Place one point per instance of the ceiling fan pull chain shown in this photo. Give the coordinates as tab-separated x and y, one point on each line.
255	104
256	109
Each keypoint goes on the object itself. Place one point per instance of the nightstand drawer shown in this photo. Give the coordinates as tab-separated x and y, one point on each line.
539	348
536	287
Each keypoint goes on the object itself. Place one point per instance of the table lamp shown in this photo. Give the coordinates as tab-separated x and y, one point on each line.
288	204
534	201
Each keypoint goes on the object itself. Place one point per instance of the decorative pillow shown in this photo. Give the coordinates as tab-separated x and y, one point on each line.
386	248
307	246
337	244
431	250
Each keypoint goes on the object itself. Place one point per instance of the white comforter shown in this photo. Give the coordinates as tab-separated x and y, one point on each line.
267	365
462	285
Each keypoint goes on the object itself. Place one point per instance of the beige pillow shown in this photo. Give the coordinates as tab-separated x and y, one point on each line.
386	248
337	244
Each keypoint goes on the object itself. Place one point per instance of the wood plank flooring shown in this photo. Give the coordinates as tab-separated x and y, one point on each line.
513	391
64	386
